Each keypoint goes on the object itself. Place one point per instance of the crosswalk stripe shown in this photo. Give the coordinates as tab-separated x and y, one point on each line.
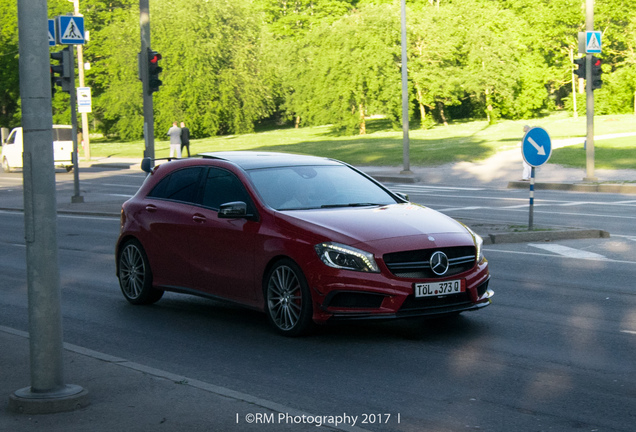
568	251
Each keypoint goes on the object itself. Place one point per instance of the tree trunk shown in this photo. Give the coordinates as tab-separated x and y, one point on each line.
297	122
489	115
440	107
421	106
363	124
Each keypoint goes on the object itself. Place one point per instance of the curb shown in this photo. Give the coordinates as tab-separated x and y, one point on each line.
396	178
619	188
542	236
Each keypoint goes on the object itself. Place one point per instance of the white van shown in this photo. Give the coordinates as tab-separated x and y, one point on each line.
12	148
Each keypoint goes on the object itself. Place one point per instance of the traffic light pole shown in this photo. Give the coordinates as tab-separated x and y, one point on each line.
589	146
149	126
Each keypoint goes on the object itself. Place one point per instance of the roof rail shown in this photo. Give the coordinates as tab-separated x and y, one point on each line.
147	163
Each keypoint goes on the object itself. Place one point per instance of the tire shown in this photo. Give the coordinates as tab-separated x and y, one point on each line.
68	168
5	165
287	299
135	275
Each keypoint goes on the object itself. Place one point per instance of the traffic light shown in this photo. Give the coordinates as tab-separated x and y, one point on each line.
580	72
597	82
153	71
61	73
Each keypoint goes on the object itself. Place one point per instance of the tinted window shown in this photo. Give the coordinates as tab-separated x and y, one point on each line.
222	187
62	134
182	185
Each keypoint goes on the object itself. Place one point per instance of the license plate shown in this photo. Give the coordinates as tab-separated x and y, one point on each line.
439	288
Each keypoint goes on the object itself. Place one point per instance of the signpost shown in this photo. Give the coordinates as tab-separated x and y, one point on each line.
70	31
536	149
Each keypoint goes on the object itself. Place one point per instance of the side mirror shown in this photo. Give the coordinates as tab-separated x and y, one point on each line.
146	165
404	196
233	210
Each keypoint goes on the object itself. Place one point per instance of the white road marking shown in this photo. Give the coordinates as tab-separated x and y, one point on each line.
605	260
629	332
423	188
568	251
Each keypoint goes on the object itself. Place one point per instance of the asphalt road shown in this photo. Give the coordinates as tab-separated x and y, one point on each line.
555	351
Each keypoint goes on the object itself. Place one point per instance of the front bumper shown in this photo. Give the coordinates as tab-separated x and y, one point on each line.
363	296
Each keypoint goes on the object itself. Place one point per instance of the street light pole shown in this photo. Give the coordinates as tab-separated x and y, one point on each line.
405	97
47	392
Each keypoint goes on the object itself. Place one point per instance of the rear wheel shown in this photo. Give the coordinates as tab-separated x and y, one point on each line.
135	275
288	300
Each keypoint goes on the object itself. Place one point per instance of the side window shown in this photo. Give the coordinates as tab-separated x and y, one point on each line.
11	138
62	134
222	187
181	185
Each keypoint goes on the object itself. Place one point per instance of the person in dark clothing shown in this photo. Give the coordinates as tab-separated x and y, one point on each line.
185	138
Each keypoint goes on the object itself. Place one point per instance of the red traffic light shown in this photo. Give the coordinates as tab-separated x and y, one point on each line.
155	58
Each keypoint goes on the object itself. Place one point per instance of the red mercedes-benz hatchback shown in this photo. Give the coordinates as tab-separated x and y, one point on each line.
304	239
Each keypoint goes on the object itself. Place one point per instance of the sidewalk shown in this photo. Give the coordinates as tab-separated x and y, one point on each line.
126	396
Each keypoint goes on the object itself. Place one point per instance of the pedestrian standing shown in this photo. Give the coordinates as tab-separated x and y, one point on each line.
175	140
527	169
185	138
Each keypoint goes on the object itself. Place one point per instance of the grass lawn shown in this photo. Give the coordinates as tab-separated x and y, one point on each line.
460	141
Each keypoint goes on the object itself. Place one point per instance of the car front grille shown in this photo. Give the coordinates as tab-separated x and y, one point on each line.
416	264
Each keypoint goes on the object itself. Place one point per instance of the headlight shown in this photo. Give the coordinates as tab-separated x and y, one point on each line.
479	242
340	256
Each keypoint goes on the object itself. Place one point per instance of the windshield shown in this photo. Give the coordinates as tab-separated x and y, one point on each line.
311	187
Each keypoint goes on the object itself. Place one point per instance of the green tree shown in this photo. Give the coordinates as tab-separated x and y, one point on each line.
9	78
347	70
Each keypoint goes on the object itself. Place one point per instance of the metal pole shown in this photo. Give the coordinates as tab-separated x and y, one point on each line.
531	214
47	392
405	97
576	113
149	126
80	71
589	109
76	198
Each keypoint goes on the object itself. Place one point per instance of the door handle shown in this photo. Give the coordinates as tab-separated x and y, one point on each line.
199	218
151	208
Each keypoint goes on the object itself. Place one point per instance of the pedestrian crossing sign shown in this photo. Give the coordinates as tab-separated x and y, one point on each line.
52	41
70	30
593	42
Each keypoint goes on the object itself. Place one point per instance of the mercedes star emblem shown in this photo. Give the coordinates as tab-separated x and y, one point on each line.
439	263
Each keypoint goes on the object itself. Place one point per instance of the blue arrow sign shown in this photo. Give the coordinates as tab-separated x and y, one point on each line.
70	30
536	146
51	32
